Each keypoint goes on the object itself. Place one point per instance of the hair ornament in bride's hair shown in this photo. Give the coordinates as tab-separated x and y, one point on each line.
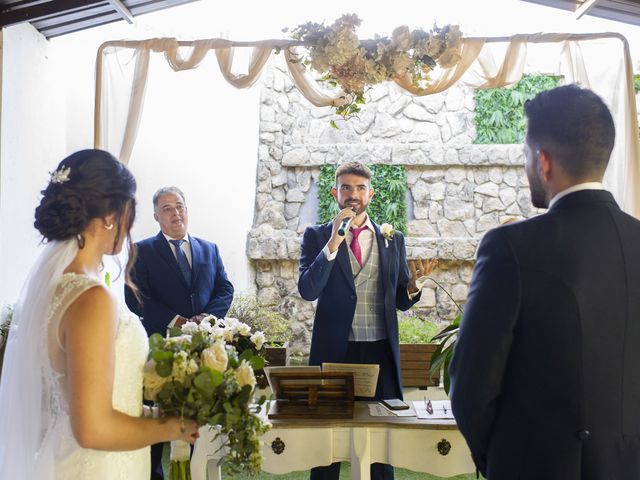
61	175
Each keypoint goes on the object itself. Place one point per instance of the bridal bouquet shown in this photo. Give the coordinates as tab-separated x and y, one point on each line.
205	372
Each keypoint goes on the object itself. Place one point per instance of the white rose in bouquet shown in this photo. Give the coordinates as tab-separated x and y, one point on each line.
245	374
215	357
152	381
258	339
244	329
190	328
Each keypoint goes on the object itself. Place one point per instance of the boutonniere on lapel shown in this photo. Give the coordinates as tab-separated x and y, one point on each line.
387	231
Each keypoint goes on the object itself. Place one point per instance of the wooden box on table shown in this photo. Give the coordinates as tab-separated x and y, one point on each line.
311	395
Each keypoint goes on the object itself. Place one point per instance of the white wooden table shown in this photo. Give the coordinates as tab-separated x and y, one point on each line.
404	442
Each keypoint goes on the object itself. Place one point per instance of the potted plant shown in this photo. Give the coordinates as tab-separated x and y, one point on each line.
275	326
446	339
416	331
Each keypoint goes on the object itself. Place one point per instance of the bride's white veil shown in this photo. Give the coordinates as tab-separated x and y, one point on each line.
25	412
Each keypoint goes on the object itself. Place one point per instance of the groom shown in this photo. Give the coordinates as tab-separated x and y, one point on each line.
359	280
545	376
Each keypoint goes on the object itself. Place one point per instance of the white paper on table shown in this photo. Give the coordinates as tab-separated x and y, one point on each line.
365	376
441	409
379	410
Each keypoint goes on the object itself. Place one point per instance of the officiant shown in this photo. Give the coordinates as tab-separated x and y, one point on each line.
359	278
180	277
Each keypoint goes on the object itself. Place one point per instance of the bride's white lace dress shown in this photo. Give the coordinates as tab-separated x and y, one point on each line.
71	461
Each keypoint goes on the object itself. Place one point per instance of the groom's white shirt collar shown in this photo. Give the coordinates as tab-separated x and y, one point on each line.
576	188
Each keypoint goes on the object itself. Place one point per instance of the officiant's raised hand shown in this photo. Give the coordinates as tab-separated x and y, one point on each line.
420	269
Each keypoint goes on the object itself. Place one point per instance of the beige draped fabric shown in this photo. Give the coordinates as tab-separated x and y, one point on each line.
598	61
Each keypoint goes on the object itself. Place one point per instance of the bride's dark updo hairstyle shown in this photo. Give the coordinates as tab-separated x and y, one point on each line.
86	185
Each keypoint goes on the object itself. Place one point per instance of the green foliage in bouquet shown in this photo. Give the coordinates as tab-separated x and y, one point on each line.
389	204
275	326
199	374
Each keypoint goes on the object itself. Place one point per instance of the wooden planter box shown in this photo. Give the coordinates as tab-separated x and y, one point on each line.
277	356
415	360
274	357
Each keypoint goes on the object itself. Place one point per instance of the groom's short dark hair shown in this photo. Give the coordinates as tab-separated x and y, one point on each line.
353	168
575	126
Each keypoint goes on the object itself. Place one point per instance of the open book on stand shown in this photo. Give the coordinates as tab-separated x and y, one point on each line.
312	392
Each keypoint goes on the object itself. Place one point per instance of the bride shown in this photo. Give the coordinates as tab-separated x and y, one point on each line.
71	389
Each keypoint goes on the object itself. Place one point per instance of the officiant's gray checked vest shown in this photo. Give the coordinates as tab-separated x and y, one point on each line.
368	319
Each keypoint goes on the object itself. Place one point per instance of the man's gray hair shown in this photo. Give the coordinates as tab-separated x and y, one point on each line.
164	191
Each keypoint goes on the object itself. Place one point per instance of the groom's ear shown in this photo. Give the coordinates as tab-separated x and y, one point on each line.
545	164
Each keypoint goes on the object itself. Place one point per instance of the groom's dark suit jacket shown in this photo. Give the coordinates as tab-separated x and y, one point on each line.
164	290
545	377
331	283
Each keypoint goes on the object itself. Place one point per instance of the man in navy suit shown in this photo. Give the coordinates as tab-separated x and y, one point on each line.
545	376
179	277
359	280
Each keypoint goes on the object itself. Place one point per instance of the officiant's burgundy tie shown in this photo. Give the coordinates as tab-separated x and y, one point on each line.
183	263
355	244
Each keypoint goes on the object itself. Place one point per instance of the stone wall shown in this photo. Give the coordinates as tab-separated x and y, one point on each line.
457	190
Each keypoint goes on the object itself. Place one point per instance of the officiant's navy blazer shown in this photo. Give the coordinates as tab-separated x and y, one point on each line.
331	283
164	290
545	376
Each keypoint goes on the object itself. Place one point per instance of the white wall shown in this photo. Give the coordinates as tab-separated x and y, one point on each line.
32	139
197	132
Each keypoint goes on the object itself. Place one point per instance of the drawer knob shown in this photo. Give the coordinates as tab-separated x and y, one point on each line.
277	446
444	447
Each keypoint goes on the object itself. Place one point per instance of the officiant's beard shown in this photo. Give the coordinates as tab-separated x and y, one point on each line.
358	206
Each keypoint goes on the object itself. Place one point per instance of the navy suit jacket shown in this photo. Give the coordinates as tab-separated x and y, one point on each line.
164	290
545	376
331	283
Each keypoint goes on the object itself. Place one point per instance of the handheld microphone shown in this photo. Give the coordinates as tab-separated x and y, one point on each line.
343	227
345	223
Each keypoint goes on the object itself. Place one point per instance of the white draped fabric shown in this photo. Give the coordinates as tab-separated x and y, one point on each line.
601	62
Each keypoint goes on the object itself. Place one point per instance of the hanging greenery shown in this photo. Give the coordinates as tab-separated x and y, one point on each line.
500	111
389	204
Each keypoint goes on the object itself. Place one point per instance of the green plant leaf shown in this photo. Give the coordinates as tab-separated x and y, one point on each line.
207	381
